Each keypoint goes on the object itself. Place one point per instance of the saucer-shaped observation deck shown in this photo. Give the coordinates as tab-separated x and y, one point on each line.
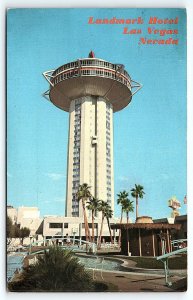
90	77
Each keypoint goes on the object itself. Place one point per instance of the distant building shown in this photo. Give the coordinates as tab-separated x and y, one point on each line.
182	233
12	213
183	221
58	226
29	217
25	217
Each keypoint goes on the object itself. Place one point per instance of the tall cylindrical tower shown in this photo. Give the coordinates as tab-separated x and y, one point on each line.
90	89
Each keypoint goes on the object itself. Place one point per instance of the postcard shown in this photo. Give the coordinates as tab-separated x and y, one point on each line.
96	150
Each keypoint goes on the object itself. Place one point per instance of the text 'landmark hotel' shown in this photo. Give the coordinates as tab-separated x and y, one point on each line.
90	89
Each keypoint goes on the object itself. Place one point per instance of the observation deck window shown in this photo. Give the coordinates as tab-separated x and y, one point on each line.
92	72
93	62
74	72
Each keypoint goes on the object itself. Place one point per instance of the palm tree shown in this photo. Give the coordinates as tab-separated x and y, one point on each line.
137	193
83	194
103	208
93	205
127	208
108	215
122	197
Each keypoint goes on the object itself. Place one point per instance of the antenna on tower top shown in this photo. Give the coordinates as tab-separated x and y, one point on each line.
91	54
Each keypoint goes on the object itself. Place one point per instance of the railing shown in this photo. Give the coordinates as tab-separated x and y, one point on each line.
181	246
98	266
67	242
109	245
90	62
91	71
89	67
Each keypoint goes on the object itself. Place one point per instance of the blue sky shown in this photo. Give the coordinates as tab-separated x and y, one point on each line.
149	134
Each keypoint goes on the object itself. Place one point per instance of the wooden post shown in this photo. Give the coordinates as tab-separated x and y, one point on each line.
139	243
153	238
168	240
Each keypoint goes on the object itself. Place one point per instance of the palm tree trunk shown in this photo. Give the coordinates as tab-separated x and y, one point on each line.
110	231
88	230
119	242
93	225
127	217
136	208
85	220
100	236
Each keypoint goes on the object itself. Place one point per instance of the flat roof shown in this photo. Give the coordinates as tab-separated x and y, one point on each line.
181	218
147	226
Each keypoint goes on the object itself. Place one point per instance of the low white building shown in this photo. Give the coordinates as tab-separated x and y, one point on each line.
73	226
58	226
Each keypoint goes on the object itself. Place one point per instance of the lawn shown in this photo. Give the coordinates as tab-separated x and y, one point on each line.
177	262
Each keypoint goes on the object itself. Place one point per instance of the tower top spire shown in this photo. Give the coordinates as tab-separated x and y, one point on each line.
91	54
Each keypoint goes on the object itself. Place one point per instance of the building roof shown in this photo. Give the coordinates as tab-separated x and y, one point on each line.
147	226
175	220
181	218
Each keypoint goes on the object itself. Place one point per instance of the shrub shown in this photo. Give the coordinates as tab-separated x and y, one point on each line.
55	270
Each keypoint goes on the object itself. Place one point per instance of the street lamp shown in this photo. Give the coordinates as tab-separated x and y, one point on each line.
30	237
74	231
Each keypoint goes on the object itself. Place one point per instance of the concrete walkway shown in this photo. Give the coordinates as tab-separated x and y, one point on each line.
135	282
